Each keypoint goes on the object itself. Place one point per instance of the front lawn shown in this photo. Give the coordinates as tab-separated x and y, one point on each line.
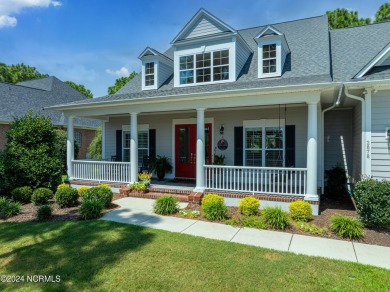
101	255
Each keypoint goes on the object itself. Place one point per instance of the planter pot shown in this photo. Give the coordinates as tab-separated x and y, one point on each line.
161	175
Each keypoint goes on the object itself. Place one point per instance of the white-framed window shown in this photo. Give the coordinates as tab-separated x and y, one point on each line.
270	58
78	137
264	145
143	146
149	74
206	67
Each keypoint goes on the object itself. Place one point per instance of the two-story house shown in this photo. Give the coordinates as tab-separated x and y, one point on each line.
281	102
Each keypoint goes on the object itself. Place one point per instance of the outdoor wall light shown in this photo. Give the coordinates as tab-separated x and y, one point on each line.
221	129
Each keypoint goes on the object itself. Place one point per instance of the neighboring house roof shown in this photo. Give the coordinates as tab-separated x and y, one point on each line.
17	99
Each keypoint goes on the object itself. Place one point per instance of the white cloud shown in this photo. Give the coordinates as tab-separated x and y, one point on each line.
9	7
122	72
6	20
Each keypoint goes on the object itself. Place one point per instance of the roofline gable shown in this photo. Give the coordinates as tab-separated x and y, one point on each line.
201	13
154	52
384	53
269	27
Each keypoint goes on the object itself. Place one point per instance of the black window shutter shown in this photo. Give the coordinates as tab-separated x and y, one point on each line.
238	146
118	145
152	144
290	146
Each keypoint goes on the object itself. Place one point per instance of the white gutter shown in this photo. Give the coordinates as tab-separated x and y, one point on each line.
336	103
363	146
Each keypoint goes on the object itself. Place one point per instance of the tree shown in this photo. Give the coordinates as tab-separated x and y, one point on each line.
18	73
80	88
95	148
120	82
383	13
29	157
60	146
342	17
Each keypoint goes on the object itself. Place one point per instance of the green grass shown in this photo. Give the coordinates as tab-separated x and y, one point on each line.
100	255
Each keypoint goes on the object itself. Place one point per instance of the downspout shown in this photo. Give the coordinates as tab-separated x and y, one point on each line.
363	146
336	103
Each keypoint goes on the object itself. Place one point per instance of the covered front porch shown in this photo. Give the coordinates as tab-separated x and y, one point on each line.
266	149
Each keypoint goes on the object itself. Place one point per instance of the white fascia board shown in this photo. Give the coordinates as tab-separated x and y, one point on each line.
269	27
201	13
205	39
274	38
380	57
361	84
147	49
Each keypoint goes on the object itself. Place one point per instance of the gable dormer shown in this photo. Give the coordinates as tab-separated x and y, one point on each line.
272	52
156	68
208	51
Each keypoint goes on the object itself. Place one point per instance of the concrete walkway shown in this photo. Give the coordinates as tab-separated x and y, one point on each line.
140	212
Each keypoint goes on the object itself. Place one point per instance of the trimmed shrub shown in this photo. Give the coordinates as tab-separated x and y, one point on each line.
215	210
249	206
212	198
347	227
11	209
166	205
22	195
103	194
82	190
275	217
30	156
138	186
41	196
66	197
91	209
300	211
62	186
44	212
373	202
107	186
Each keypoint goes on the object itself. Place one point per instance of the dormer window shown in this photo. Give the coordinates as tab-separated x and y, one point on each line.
206	67
272	52
149	74
269	58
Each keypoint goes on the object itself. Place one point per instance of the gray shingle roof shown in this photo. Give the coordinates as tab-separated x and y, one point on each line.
17	99
353	48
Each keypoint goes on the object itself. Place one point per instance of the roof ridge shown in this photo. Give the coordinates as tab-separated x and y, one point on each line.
270	24
20	85
360	26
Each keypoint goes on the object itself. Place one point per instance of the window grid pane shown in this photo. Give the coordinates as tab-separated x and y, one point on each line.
269	58
187	69
149	74
221	65
143	146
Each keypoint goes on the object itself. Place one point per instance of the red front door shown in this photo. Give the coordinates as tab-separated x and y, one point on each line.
185	149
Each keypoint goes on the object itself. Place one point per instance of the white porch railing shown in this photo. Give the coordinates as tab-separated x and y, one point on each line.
261	180
101	170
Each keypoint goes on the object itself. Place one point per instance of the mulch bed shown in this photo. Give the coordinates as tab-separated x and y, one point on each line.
28	212
328	208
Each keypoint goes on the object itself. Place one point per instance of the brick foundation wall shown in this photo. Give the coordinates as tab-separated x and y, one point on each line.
3	140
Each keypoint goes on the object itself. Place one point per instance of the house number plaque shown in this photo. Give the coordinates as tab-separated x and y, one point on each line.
222	144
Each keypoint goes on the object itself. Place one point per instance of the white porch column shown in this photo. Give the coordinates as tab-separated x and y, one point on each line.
69	146
133	148
311	192
200	152
104	140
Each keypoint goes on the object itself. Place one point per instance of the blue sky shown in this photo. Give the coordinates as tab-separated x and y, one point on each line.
93	42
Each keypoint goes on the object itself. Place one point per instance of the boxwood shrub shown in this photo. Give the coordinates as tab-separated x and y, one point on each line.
41	196
300	211
66	197
249	206
44	212
373	202
101	193
22	194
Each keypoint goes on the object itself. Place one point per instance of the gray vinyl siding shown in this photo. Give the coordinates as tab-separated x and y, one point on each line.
357	141
164	72
242	55
338	141
203	27
163	123
380	148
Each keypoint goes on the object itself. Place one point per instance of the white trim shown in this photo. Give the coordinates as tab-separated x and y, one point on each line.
367	149
189	121
141	127
155	84
269	27
104	140
205	14
385	53
278	44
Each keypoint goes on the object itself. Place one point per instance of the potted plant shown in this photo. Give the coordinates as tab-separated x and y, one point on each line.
161	166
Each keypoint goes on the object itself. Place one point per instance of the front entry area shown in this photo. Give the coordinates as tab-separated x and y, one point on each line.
185	149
